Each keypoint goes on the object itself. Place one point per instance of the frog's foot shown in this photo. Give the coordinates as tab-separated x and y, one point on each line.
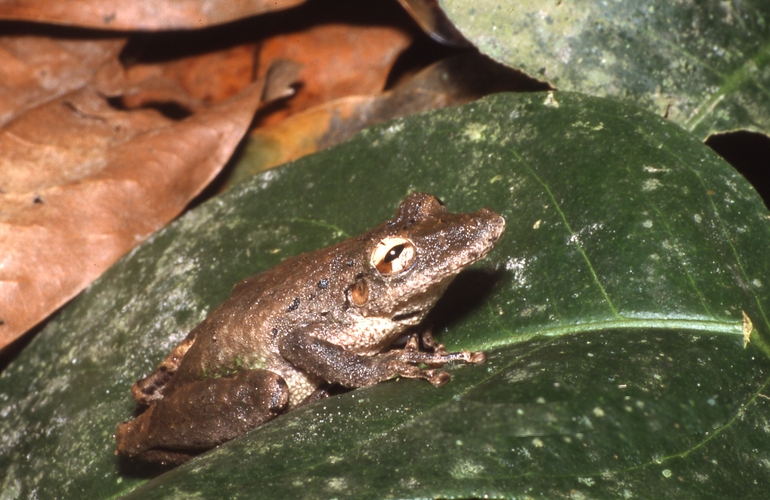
407	370
407	360
201	415
439	357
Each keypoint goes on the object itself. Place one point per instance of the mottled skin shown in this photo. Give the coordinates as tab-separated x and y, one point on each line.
325	317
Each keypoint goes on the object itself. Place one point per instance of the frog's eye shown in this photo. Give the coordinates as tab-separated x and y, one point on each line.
393	255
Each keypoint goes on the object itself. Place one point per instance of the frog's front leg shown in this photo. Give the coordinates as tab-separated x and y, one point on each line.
201	415
335	364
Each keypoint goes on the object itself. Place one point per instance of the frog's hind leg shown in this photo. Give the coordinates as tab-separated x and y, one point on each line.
202	415
148	390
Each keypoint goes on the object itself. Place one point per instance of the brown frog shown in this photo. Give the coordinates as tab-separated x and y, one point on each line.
318	319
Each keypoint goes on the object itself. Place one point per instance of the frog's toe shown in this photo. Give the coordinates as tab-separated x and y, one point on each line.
437	378
478	357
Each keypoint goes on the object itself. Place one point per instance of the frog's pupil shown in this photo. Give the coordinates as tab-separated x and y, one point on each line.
393	253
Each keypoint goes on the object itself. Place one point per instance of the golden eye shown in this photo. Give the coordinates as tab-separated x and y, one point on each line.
393	255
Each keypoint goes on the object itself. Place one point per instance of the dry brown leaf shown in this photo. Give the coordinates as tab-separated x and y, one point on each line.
139	14
37	69
337	61
210	77
450	82
81	183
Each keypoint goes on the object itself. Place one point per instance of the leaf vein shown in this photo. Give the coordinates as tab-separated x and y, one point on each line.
573	236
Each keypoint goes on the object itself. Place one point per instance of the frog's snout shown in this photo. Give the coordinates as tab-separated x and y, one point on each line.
494	222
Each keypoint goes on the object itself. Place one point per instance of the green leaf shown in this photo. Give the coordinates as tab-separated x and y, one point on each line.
612	312
704	65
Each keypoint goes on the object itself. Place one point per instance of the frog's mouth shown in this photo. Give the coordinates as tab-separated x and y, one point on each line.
408	317
414	310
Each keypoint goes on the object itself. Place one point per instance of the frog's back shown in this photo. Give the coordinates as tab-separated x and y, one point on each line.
243	332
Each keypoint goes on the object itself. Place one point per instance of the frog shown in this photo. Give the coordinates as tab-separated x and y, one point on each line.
324	319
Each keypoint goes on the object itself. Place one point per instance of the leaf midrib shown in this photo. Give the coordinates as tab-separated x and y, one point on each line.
694	326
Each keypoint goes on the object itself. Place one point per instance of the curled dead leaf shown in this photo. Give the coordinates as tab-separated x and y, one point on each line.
433	20
331	57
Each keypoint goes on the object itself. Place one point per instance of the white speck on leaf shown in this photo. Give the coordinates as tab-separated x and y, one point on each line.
651	185
518	266
337	483
550	101
394	129
529	311
466	468
267	178
475	131
575	238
